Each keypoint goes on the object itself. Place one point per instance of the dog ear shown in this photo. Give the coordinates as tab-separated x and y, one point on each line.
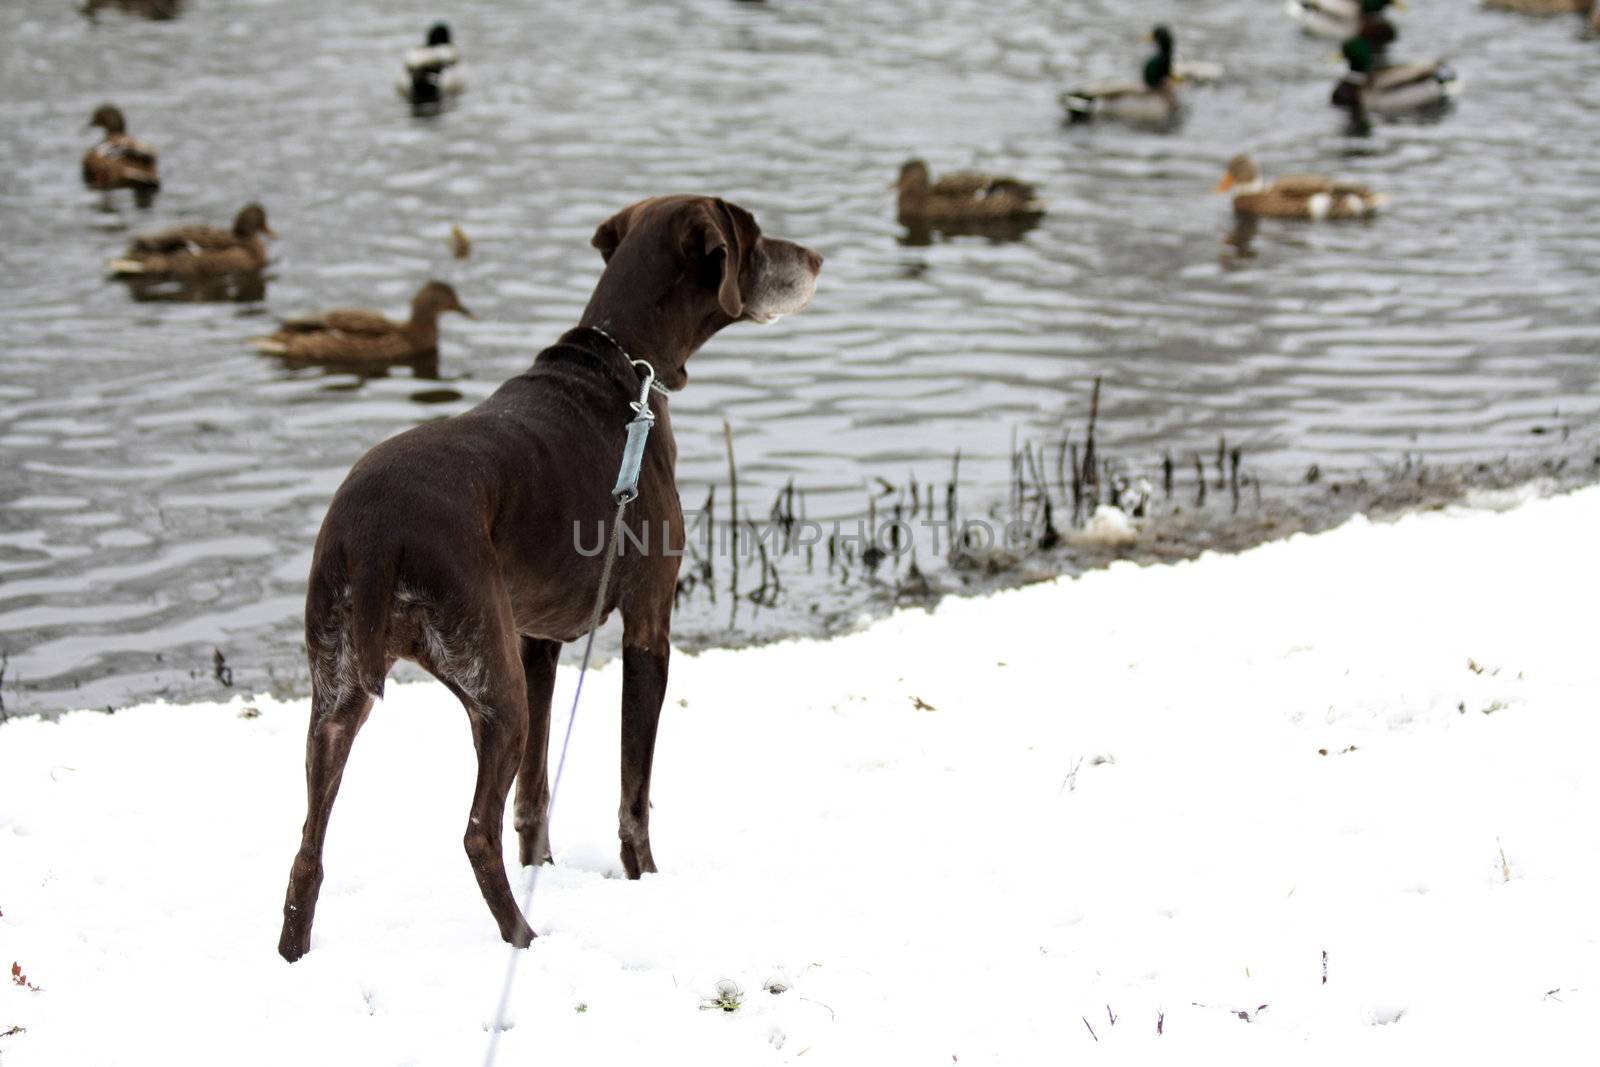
610	233
730	230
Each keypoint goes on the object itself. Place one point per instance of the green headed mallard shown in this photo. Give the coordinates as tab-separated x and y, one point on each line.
1299	196
353	336
198	251
431	77
1408	87
118	161
1152	101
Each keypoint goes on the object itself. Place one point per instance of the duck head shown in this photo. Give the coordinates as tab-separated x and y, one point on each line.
1357	52
1242	176
251	220
434	299
913	178
108	117
1158	68
438	33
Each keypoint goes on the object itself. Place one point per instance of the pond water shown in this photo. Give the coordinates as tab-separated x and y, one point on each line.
161	483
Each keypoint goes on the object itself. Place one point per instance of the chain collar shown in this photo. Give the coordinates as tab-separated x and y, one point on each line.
649	371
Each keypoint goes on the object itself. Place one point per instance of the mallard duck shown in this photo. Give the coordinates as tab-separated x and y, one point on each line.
460	244
1540	7
1393	90
150	9
355	336
430	77
199	251
1340	20
1299	196
118	161
1153	101
963	196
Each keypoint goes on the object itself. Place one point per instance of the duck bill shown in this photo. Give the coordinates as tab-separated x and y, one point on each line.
270	232
1398	5
1225	184
469	314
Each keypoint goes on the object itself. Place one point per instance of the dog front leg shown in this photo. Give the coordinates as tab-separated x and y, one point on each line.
644	686
532	814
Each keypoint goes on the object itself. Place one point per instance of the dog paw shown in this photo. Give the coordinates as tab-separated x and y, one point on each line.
293	944
637	860
529	857
519	936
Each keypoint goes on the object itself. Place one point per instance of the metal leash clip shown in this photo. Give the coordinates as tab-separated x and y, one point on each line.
627	487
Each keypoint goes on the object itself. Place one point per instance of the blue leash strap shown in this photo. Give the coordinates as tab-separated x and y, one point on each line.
625	492
627	487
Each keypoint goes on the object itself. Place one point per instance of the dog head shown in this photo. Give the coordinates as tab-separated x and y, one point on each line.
680	268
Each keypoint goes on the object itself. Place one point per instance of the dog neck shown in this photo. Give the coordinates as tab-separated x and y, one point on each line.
662	324
605	354
655	385
618	345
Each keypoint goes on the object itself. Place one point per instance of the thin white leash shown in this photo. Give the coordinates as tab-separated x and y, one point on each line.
624	492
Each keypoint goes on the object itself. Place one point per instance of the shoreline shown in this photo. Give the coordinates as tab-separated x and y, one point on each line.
1174	530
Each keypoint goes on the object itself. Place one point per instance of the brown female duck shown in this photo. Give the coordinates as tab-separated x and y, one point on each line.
962	197
158	10
198	251
357	336
1542	8
118	161
1299	196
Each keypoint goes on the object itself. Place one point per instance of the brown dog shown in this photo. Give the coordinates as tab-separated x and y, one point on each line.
454	544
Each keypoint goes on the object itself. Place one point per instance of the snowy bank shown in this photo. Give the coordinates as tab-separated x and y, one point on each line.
1334	797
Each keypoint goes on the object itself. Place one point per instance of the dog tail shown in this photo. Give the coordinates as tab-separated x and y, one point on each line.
372	582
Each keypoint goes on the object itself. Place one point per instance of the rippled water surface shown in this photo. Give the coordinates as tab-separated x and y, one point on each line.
162	483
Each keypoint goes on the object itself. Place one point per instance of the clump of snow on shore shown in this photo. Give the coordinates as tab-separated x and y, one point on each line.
1143	811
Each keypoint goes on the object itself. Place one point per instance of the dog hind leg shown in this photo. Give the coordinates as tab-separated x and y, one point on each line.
334	723
495	695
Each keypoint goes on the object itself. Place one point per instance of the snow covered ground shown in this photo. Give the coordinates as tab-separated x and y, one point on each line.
1332	799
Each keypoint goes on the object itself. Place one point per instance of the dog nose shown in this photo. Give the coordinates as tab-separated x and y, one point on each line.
814	261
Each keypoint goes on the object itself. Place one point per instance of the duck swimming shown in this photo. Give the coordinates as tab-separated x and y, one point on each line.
198	251
151	9
1397	90
960	196
1153	101
119	161
430	75
354	336
1299	196
1340	20
1542	8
